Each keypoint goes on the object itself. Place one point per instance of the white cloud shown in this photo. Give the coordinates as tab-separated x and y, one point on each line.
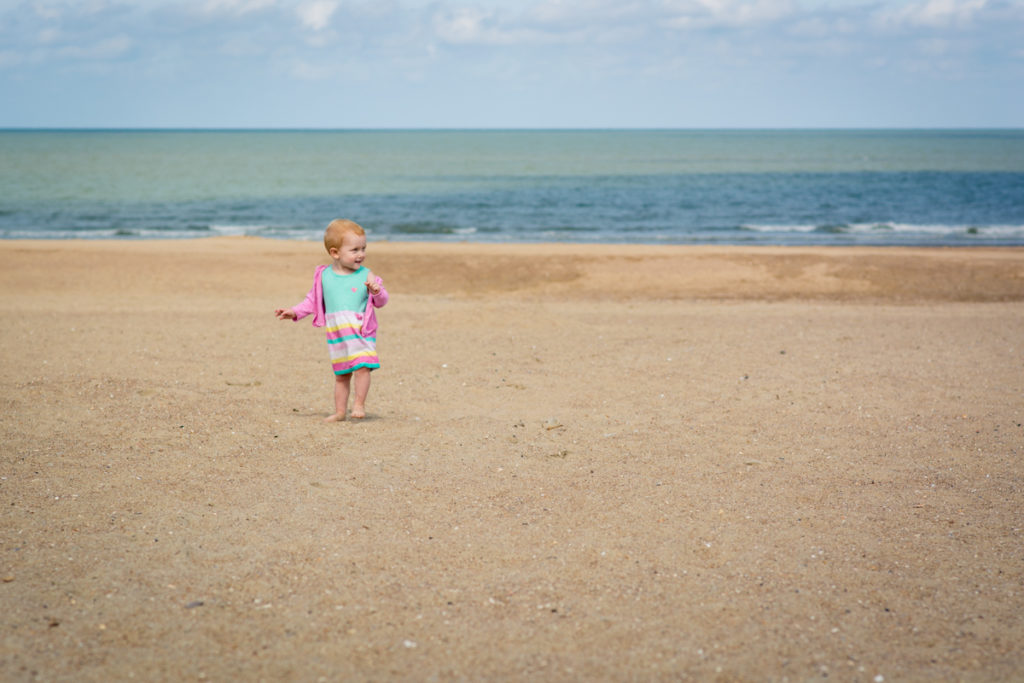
46	12
463	25
828	27
237	7
934	13
317	15
473	26
110	48
567	14
48	35
695	14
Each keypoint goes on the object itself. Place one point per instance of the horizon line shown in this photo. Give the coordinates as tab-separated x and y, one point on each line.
298	129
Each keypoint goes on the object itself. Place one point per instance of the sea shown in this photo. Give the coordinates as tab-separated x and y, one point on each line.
740	187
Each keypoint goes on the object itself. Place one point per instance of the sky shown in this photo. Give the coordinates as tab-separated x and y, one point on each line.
505	64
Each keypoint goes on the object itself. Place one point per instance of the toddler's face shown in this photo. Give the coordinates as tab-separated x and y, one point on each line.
352	252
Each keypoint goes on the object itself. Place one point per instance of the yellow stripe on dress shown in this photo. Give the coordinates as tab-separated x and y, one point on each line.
361	354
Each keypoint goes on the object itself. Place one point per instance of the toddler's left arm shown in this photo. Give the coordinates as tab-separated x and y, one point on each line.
378	295
372	283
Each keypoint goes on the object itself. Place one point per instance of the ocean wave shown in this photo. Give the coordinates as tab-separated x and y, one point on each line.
1015	232
226	229
429	228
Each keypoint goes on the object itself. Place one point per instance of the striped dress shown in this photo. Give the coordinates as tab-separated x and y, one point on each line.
345	299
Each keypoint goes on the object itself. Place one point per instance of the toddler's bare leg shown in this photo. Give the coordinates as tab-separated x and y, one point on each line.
341	385
362	389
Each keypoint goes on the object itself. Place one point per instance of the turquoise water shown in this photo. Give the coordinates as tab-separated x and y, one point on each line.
771	187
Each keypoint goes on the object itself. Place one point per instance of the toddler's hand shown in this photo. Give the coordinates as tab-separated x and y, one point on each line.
371	284
285	314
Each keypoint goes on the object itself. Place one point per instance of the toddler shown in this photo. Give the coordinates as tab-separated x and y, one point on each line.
342	299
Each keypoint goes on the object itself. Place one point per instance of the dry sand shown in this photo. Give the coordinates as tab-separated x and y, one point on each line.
581	463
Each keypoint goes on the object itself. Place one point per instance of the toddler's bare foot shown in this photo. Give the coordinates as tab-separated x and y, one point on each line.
337	417
358	412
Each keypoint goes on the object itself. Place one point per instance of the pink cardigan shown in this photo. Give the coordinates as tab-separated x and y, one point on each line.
314	303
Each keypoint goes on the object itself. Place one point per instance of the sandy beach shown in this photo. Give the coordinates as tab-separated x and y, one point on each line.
580	463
